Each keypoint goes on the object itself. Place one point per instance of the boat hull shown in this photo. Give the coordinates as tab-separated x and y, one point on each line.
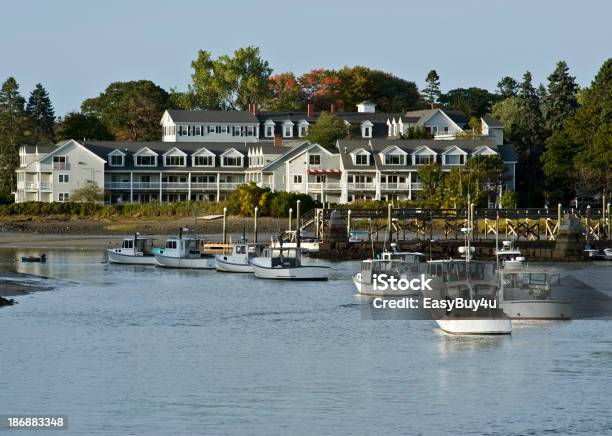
127	259
537	309
476	326
318	273
227	266
187	263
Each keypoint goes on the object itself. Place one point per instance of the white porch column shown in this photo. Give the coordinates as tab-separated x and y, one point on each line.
218	188
131	187
160	187
410	185
39	193
189	186
378	194
344	188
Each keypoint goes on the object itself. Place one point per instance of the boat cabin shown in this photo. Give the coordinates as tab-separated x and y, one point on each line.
183	248
527	284
391	267
136	246
283	257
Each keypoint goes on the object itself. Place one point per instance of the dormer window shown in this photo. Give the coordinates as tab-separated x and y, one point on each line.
116	160
394	159
203	161
424	159
146	161
232	161
174	161
287	129
362	159
367	132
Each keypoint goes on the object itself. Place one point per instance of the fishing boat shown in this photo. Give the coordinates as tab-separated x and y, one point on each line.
509	257
185	252
133	251
286	264
237	259
528	294
288	239
27	259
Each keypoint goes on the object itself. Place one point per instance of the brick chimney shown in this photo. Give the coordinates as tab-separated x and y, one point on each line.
310	110
254	108
278	140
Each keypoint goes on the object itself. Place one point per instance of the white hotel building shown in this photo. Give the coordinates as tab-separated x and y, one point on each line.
205	155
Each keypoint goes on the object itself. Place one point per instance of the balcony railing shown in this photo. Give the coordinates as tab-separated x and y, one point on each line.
362	186
417	186
175	185
46	186
318	187
199	186
229	186
31	186
394	186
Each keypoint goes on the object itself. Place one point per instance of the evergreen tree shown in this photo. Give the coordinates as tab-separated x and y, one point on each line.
528	137
560	101
41	113
13	132
432	90
507	87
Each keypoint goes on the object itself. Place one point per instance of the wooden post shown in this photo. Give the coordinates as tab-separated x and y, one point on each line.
348	224
472	219
603	215
316	222
225	225
389	227
255	225
558	217
290	214
588	223
609	222
297	224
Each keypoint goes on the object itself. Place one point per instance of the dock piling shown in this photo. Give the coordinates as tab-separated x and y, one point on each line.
255	225
225	225
297	224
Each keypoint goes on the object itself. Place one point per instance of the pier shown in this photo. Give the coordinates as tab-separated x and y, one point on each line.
542	234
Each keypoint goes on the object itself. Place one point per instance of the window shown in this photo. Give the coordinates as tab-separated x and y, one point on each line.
146	161
250	131
182	130
269	131
423	159
434	130
116	160
445	129
287	131
367	132
362	159
231	161
314	159
64	178
303	131
297	178
59	163
224	129
211	129
453	159
171	245
175	161
203	161
64	196
394	159
198	131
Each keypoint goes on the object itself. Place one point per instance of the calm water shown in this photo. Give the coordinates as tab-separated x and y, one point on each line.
139	350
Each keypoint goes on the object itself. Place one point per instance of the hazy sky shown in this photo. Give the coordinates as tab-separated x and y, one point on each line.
76	48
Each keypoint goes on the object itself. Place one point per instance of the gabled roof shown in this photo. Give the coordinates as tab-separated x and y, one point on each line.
174	149
392	147
221	117
424	148
455	148
145	150
492	122
231	151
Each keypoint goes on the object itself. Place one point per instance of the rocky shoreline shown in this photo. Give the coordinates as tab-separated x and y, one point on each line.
16	284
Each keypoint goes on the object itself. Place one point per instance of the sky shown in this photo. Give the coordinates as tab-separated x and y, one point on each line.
76	48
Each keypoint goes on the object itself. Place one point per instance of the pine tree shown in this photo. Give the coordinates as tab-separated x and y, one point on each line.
432	90
41	113
560	101
12	133
507	87
528	135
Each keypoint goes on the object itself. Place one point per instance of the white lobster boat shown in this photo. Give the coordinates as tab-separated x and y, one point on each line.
400	266
184	253
289	240
133	251
238	259
510	257
527	294
286	264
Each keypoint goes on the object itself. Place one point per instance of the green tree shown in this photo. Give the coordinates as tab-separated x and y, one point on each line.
327	130
471	101
229	82
432	183
432	90
507	111
41	113
132	110
283	201
416	132
528	137
78	126
577	158
507	87
90	192
14	131
560	101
